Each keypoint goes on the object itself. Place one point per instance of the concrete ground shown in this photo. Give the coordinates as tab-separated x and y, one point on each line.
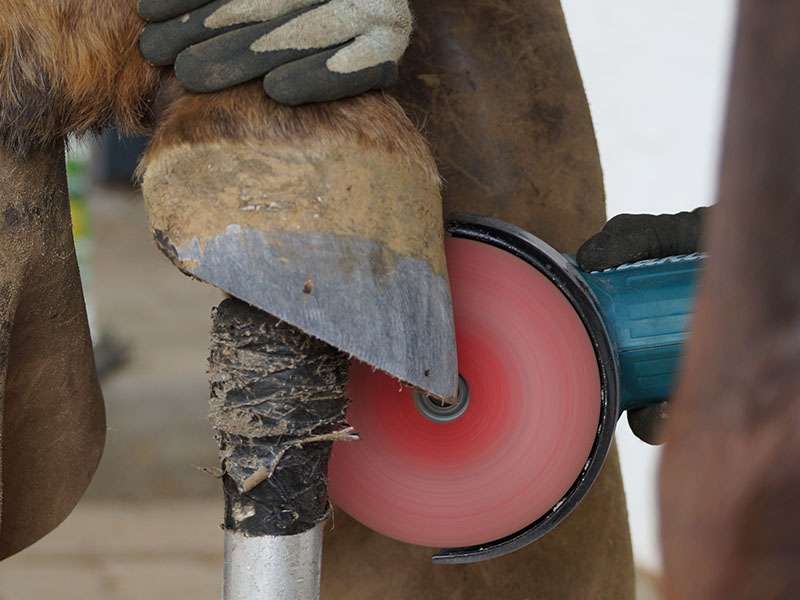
120	551
165	550
157	404
149	527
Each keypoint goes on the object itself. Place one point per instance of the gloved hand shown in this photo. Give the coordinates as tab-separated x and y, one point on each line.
308	50
631	238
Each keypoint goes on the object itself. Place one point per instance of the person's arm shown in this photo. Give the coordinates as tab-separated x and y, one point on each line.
730	483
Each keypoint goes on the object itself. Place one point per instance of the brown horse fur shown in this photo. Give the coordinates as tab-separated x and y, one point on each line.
70	66
244	114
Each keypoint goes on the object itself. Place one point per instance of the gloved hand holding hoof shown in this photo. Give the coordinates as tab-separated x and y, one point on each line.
306	50
630	238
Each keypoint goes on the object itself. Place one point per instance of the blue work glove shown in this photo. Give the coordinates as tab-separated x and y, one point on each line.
306	50
631	238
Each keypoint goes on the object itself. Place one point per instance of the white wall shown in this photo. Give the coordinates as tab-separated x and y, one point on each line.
656	74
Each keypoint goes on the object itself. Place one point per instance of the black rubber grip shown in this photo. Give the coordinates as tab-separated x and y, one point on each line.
274	392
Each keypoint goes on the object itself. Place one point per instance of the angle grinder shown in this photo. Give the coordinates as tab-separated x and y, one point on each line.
549	358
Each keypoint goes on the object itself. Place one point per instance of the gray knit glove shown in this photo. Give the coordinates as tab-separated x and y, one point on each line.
306	50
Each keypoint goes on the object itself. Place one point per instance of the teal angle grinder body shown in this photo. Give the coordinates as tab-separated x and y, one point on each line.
646	307
635	319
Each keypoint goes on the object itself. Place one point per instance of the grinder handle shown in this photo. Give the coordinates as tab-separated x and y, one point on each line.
646	308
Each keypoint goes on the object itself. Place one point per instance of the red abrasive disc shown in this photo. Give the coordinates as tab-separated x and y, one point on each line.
526	433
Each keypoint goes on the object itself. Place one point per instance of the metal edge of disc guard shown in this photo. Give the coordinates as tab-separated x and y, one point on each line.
564	275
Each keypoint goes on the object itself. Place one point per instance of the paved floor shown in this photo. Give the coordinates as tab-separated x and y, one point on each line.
164	550
157	404
112	551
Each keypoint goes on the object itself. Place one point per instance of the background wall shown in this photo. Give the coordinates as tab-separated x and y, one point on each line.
656	76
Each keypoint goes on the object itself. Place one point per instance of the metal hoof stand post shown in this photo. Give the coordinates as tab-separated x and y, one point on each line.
277	405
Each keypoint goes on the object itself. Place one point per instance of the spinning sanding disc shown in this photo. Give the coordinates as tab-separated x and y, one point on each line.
517	440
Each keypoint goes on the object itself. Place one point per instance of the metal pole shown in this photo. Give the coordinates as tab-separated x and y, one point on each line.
277	405
273	567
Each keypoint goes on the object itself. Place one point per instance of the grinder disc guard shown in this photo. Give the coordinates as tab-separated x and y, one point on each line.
528	428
